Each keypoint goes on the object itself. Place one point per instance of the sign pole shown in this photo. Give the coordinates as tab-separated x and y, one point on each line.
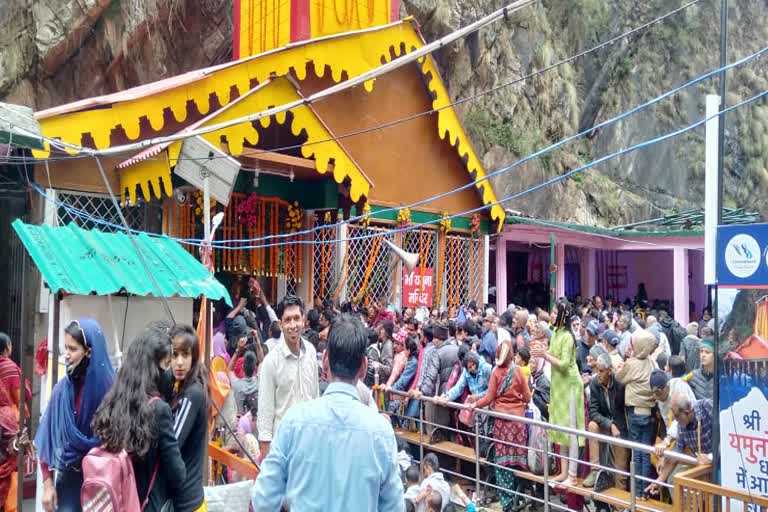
712	192
720	179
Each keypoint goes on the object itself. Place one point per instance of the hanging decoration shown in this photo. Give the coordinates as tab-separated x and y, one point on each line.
445	223
403	217
200	202
375	247
295	218
344	276
246	210
366	220
441	258
245	217
474	226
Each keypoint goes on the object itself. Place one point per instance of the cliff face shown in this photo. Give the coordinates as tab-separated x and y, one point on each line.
55	51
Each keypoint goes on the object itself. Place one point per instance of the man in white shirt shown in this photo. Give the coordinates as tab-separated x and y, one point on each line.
289	373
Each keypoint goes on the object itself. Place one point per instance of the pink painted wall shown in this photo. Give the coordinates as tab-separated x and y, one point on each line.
654	268
698	290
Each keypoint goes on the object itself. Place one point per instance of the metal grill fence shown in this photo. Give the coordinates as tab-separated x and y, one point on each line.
463	269
324	263
370	267
100	206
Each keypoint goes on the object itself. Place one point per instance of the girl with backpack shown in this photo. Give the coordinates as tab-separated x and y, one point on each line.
64	435
134	418
190	411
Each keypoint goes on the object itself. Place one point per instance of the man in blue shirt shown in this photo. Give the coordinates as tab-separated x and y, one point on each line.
333	453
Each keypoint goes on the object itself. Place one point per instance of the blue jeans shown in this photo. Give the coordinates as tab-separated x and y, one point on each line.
68	484
642	430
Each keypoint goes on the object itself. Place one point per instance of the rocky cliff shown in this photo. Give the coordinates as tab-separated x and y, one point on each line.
55	51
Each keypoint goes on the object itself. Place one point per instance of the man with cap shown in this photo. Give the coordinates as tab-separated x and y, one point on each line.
702	379
664	388
584	345
607	417
488	342
610	341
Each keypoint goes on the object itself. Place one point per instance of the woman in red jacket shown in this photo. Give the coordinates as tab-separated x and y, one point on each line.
508	393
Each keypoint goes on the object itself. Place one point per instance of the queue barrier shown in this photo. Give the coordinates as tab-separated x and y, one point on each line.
613	496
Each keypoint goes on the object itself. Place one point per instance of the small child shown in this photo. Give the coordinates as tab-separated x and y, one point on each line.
412	476
435	502
522	359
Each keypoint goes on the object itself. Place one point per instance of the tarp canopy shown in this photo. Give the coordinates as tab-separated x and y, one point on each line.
77	261
18	127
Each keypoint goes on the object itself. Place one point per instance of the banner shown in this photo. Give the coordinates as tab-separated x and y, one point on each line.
418	291
742	274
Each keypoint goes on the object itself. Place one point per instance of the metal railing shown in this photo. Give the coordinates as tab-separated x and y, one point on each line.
632	502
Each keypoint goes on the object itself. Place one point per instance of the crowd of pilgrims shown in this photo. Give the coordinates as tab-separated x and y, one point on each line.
589	365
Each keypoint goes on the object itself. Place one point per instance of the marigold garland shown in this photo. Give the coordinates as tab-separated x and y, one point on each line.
371	260
403	217
445	223
440	263
344	274
474	226
295	218
366	220
200	203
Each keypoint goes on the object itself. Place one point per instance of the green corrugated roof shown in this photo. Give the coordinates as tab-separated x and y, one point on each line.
18	127
78	261
624	233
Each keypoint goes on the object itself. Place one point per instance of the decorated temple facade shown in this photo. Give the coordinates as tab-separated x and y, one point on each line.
364	154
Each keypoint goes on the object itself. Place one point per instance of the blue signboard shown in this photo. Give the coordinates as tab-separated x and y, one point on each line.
742	263
742	260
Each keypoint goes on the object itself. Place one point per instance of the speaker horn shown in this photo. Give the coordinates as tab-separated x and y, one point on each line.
409	259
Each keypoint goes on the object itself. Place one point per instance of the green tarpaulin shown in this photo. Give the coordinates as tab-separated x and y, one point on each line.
74	260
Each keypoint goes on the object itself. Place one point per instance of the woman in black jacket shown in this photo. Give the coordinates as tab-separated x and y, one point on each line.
190	416
134	418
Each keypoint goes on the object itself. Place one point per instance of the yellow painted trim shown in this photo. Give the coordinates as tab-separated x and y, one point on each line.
152	174
277	91
353	54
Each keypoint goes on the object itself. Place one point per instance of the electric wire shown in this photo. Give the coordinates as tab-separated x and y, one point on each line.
760	53
418	115
633	148
528	158
530	190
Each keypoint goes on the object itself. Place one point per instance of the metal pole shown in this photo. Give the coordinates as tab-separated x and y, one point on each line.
721	179
206	206
132	239
421	436
632	483
23	392
546	473
55	340
477	458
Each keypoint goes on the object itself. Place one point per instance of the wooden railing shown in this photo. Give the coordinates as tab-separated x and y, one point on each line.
245	468
695	493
